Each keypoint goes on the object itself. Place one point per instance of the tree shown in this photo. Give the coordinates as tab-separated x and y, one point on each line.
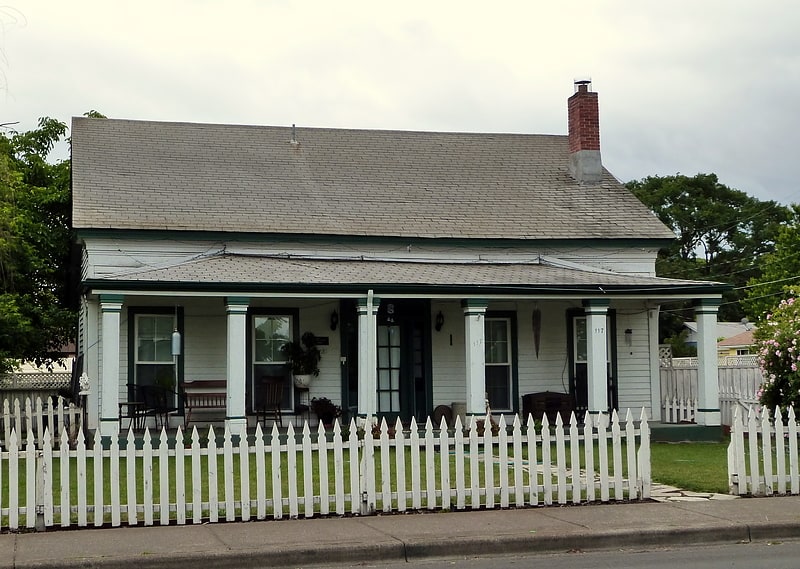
779	270
779	355
35	236
721	233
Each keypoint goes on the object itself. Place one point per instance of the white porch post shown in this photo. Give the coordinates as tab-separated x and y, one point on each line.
368	355
475	345
235	417
596	355
655	365
110	308
708	412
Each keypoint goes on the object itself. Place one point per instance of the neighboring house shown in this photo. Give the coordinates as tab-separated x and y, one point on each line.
733	338
739	345
436	267
28	380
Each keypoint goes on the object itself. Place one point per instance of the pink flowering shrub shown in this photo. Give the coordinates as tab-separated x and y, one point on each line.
779	355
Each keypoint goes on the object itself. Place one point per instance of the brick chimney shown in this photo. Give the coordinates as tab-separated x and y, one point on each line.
584	134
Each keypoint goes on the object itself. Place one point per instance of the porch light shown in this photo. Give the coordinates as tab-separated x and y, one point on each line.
334	320
439	321
628	336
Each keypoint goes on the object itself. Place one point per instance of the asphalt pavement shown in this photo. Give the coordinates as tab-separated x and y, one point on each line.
413	536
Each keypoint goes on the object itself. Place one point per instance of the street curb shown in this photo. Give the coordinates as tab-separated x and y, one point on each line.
518	544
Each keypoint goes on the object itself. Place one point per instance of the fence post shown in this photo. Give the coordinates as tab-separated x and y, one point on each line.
40	486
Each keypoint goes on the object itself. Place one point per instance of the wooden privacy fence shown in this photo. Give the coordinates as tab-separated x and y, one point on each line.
34	417
340	471
738	389
763	453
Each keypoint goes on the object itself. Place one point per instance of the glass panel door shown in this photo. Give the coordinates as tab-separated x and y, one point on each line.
389	369
270	333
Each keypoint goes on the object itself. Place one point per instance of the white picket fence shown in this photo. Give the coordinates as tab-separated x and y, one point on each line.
154	481
763	453
52	413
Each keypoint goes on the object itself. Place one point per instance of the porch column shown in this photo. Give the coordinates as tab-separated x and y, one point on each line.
368	355
235	417
110	308
475	345
596	355
708	412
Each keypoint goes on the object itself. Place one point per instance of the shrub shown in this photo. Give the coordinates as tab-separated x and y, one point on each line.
779	355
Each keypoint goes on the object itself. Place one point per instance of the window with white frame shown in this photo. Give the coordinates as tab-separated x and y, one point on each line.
497	337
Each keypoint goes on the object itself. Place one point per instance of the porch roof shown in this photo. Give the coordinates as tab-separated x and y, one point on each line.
238	272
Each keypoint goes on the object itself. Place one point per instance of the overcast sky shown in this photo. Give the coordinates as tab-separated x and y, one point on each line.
684	85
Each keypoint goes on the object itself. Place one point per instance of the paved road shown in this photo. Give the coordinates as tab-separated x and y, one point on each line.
764	555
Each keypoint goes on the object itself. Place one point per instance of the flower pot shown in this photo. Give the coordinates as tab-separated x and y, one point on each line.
302	381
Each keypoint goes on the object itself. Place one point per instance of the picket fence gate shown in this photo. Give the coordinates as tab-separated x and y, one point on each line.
54	414
340	471
763	453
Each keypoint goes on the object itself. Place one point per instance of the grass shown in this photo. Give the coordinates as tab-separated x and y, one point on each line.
699	467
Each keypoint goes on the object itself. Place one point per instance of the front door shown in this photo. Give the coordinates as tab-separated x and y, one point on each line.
403	343
404	386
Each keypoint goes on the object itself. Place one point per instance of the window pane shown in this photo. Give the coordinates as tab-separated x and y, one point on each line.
498	387
270	334
383	379
496	332
154	337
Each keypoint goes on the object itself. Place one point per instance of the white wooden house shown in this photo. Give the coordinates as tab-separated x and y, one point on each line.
437	268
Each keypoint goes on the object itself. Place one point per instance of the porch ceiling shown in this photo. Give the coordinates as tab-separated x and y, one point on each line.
258	273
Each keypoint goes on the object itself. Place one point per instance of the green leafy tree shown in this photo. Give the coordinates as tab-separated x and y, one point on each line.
35	236
778	342
779	271
721	233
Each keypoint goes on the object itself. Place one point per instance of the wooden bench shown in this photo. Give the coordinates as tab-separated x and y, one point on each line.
203	394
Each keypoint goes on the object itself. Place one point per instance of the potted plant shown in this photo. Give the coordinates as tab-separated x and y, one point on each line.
303	359
326	410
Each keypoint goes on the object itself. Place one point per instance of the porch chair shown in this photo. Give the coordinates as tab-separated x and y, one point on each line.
159	402
271	401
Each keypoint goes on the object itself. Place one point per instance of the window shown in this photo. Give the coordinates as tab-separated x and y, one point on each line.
154	363
497	333
270	333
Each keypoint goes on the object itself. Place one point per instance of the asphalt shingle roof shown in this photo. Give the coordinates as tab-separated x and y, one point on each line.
264	270
211	177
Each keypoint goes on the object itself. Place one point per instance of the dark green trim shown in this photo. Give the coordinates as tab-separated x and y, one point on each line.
120	298
512	316
707	303
470	303
392	289
114	420
708	410
236	417
596	302
237	301
165	235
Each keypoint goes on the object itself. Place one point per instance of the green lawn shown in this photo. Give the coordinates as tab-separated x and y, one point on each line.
701	467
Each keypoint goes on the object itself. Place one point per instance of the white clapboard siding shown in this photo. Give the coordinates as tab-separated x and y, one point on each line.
759	441
189	478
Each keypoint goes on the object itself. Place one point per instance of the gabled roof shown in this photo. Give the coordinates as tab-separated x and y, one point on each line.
138	175
741	339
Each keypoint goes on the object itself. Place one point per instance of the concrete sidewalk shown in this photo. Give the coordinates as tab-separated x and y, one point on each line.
401	537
